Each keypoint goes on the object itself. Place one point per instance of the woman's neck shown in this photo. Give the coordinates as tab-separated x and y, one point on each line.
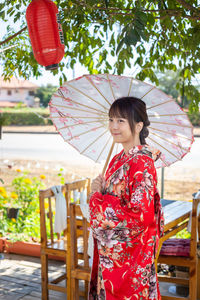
129	145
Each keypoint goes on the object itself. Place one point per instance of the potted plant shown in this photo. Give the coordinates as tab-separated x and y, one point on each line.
3	226
2	244
22	244
12	212
21	235
21	219
11	204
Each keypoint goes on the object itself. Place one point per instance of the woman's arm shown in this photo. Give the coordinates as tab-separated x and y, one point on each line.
98	184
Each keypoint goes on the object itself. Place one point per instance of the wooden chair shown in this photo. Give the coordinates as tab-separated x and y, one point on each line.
191	261
79	187
51	243
80	269
198	279
198	263
56	244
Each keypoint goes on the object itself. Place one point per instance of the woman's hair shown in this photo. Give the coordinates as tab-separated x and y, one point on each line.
134	110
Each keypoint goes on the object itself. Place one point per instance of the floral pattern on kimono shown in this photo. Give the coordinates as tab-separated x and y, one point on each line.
127	221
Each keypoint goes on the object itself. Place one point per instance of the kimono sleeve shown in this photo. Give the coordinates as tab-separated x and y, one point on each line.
139	199
142	187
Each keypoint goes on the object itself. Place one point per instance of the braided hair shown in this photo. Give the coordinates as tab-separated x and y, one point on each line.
134	110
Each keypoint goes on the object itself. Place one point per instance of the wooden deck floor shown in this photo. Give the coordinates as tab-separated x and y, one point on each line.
20	278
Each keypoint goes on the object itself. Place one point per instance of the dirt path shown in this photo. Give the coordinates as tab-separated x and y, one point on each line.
179	183
176	186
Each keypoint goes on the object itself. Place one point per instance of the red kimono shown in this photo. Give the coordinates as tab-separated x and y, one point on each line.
126	222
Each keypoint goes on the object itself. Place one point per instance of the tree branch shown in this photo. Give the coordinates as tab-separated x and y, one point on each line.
130	9
7	48
177	14
127	9
169	12
13	36
186	5
182	2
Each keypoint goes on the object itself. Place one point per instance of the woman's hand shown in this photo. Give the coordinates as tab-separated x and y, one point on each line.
98	184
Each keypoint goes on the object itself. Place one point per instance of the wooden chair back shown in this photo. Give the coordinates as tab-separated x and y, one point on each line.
80	269
53	245
191	261
79	230
194	229
47	209
82	189
78	186
47	213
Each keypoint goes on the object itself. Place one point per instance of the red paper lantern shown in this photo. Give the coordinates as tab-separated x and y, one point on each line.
45	32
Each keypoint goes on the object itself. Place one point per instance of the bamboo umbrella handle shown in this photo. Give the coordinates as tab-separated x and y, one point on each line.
108	158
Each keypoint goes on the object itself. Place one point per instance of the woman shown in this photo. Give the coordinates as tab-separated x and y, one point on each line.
125	211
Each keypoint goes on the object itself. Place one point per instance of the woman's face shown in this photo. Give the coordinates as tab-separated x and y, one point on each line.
120	130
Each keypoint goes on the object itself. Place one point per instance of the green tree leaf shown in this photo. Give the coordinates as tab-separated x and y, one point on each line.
96	31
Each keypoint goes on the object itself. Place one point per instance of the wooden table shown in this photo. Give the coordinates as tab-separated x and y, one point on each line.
176	215
176	212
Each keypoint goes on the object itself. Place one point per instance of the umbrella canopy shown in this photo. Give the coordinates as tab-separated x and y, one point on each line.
79	111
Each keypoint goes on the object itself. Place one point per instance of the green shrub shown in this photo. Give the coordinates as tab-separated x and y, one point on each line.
24	195
26	116
183	234
40	116
194	118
